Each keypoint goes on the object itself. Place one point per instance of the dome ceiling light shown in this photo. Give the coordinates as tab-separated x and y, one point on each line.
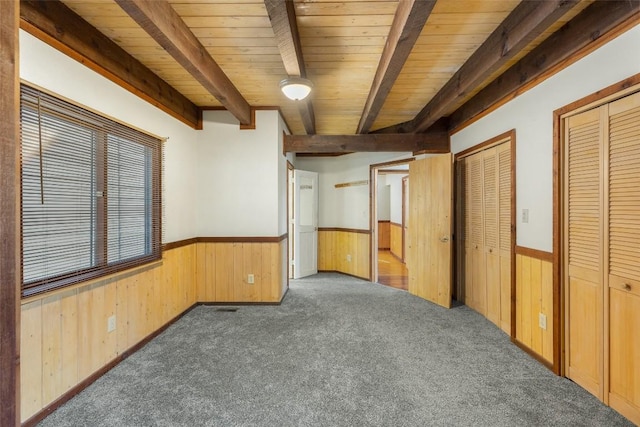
296	88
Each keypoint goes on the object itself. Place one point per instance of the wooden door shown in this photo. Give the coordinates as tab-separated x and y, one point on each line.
491	234
623	230
430	226
486	231
504	233
476	234
584	254
305	224
463	221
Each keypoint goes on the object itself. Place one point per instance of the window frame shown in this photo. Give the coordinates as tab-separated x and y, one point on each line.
153	170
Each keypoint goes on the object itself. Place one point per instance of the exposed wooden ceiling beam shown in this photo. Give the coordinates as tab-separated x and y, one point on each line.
61	27
165	26
585	30
423	143
285	27
407	25
282	15
528	20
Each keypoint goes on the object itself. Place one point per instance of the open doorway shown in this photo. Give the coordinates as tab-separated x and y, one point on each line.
389	213
302	206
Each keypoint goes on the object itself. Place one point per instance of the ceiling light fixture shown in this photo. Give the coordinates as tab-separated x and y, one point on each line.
296	88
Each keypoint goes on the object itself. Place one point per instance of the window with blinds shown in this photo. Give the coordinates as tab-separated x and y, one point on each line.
91	194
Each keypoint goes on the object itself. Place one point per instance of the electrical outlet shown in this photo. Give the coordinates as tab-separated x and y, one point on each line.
111	323
542	321
251	279
349	258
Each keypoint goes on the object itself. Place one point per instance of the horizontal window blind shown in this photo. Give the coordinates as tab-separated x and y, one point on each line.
91	194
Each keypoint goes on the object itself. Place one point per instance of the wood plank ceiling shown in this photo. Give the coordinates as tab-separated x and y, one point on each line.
342	45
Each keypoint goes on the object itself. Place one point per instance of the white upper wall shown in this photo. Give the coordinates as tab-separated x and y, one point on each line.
346	207
384	192
531	114
395	182
282	177
50	69
220	181
239	188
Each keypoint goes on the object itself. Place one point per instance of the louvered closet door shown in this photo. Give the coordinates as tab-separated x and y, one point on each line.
584	139
467	206
476	234
504	233
491	234
624	256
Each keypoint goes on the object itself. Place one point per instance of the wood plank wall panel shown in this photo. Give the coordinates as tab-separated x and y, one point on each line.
31	381
384	237
396	240
64	336
326	251
534	295
223	267
335	245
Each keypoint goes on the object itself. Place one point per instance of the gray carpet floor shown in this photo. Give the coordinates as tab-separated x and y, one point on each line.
338	352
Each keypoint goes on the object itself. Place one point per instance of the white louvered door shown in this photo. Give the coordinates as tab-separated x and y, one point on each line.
602	253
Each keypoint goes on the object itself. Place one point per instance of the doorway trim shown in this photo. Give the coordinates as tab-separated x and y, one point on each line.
373	212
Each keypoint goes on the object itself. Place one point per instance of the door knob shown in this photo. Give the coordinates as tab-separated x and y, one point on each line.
444	239
627	287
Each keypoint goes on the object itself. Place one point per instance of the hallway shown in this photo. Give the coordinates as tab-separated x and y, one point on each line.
391	271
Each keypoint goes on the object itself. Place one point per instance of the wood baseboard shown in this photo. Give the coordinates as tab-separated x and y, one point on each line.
242	303
536	356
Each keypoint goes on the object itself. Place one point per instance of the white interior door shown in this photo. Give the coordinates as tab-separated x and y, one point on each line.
305	260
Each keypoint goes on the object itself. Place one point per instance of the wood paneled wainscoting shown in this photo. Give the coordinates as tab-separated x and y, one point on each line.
384	237
224	266
397	243
64	339
345	250
65	342
534	319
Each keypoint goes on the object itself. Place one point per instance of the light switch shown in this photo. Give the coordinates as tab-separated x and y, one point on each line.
525	216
